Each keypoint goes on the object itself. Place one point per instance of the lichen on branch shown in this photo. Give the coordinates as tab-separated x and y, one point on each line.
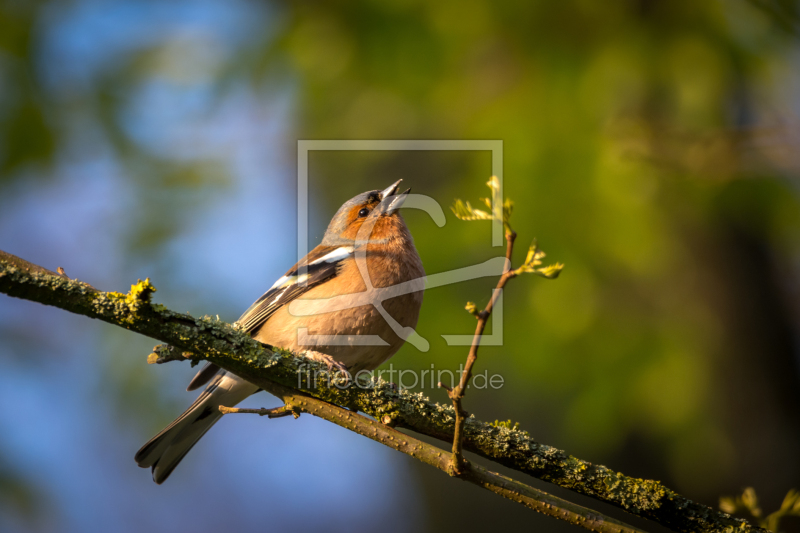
214	340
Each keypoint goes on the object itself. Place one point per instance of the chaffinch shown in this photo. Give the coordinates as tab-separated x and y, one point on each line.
367	231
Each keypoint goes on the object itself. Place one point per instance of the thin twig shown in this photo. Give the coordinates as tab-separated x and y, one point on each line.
164	353
457	393
530	497
274	412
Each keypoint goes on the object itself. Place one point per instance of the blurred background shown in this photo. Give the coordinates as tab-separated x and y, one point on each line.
651	146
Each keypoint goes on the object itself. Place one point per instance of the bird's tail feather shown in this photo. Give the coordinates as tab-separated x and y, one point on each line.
163	452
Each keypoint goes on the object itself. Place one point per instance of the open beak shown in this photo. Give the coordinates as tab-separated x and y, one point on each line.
390	190
391	201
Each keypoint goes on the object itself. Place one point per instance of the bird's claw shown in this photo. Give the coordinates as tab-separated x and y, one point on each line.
330	362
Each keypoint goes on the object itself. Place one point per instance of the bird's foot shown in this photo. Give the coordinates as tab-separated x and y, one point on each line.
330	362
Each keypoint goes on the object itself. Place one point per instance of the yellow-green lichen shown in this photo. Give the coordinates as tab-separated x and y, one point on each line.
141	291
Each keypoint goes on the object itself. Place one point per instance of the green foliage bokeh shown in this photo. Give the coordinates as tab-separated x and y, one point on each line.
647	146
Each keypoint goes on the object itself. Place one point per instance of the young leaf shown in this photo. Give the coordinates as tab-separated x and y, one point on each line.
465	211
747	503
550	271
534	259
498	210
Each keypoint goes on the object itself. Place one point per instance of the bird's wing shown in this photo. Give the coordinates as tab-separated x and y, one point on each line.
321	264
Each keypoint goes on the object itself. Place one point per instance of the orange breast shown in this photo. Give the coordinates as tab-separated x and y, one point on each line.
346	309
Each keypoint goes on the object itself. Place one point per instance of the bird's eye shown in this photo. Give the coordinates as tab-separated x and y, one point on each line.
364	212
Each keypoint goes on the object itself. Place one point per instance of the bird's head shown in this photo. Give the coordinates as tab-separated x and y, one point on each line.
379	209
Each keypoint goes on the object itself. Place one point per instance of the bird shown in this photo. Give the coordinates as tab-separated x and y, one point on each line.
366	230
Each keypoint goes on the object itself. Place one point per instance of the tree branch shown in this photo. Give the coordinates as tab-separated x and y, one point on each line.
296	402
269	368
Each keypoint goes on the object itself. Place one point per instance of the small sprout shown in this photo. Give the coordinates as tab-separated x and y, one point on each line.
498	209
534	259
472	308
750	500
465	211
727	504
508	207
535	255
747	503
791	503
497	200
